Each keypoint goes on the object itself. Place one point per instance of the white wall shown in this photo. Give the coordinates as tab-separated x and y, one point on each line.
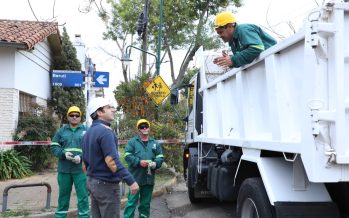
32	71
26	71
7	64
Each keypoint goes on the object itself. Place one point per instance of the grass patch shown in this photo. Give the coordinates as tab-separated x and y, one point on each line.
13	213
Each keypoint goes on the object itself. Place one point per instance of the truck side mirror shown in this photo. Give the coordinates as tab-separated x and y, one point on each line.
174	97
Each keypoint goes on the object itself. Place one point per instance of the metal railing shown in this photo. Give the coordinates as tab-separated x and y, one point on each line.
5	193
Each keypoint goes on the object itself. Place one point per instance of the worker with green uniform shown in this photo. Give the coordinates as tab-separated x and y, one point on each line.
246	41
66	147
143	155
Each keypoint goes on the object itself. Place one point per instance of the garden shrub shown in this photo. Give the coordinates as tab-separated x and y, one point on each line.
38	126
13	165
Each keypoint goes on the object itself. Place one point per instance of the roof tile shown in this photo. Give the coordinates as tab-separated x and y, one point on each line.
26	32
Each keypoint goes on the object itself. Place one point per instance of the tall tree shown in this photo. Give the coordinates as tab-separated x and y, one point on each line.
186	26
122	25
64	97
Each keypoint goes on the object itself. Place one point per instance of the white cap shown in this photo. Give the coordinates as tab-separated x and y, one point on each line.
96	103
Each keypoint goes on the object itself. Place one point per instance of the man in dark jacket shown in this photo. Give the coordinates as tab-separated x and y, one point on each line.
143	155
102	162
66	146
246	41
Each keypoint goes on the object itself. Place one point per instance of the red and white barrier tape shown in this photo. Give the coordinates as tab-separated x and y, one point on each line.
120	142
26	143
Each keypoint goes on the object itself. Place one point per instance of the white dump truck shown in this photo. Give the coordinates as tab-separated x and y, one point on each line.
274	135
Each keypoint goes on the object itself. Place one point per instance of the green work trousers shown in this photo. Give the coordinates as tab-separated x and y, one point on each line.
65	184
144	196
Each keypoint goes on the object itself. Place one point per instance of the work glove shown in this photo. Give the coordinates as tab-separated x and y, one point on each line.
68	155
76	159
151	165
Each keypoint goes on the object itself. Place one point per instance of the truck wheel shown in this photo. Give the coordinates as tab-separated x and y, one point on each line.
253	201
191	190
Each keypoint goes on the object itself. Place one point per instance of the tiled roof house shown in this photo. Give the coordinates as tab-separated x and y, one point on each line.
27	49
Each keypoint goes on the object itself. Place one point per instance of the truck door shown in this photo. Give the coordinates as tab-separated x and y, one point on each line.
194	112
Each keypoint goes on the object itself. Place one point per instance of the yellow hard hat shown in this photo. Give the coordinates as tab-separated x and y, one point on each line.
74	109
139	122
223	18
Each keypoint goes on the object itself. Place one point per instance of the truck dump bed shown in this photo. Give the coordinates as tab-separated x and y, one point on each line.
293	99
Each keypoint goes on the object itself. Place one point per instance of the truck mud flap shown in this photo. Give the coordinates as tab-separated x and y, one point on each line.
306	209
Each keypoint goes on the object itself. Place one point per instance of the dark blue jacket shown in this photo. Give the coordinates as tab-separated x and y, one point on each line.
99	143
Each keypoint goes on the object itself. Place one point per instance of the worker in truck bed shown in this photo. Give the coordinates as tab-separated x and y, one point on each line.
247	41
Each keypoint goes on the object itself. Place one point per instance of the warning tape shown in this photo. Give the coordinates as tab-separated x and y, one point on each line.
26	143
120	142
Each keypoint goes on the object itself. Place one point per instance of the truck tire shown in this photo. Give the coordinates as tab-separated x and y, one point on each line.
253	201
191	190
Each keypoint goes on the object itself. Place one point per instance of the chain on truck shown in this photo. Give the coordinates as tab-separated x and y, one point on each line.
272	136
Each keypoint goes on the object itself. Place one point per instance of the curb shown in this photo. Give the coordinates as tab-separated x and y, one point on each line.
166	188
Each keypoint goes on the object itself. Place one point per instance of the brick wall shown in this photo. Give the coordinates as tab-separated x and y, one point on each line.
9	101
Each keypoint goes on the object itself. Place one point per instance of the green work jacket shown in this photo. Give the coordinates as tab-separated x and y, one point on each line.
136	151
68	139
248	42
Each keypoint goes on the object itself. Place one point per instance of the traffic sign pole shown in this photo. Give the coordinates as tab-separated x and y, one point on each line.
88	71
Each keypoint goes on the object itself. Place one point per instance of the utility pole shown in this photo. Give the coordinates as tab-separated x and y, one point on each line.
159	39
143	24
89	68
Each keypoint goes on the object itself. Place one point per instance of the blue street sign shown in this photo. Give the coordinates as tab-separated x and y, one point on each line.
101	79
67	78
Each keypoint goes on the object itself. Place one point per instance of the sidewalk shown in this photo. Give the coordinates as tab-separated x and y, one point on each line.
31	201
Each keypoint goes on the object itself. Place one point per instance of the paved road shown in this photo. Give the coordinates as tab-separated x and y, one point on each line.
173	204
176	204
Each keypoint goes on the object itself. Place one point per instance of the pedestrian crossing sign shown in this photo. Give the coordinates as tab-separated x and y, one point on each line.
158	90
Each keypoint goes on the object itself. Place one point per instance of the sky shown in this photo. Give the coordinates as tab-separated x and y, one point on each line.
272	14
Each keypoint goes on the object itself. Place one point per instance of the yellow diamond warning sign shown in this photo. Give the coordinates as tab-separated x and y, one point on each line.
158	90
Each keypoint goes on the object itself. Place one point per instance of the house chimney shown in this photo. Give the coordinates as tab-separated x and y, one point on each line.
78	40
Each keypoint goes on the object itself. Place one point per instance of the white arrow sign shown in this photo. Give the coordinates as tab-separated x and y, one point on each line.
101	79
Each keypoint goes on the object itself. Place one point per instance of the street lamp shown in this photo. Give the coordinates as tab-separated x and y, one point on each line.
126	57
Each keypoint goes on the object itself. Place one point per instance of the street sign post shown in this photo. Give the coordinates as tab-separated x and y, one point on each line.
158	90
67	78
101	79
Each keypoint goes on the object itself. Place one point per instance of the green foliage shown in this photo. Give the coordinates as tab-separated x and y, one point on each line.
166	120
133	100
36	127
13	213
13	165
63	98
68	60
123	20
121	149
187	24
